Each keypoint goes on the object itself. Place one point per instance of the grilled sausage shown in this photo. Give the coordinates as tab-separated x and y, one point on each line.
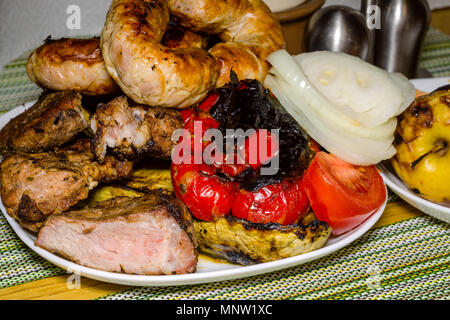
151	73
146	70
70	64
248	28
77	64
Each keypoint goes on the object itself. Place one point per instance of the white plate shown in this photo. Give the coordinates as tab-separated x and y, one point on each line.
396	184
208	270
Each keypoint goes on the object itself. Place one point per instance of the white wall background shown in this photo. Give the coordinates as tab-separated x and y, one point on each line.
24	24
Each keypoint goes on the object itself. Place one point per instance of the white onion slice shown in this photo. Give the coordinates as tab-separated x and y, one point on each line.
333	117
407	89
362	91
349	148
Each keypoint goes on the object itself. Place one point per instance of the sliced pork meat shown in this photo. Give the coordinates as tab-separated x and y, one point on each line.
34	186
131	130
148	235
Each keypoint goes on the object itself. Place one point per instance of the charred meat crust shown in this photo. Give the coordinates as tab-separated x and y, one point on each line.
28	211
179	212
52	121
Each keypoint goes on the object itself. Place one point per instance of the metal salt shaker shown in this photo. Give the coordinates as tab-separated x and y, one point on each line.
340	29
402	28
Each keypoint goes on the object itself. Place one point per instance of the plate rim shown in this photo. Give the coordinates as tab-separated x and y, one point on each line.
233	273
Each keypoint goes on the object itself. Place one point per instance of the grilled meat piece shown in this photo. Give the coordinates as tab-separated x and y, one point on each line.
34	186
150	235
131	130
243	242
53	120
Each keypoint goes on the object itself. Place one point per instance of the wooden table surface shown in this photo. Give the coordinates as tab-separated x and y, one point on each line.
56	287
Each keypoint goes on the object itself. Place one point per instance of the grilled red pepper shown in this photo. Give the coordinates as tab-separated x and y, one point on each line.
285	202
206	195
210	191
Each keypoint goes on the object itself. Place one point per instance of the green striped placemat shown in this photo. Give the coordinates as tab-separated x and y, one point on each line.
19	264
435	55
405	260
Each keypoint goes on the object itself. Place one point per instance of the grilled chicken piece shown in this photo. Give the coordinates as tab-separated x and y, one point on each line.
34	186
149	235
53	120
131	130
244	242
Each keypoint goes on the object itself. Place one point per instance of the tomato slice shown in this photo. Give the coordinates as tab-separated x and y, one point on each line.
342	194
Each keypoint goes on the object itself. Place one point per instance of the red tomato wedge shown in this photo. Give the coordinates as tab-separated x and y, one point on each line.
342	194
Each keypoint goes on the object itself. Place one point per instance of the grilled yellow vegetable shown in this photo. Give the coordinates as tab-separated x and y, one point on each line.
147	177
422	142
107	192
150	179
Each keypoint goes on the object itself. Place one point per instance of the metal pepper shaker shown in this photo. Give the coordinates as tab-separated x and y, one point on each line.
402	28
339	29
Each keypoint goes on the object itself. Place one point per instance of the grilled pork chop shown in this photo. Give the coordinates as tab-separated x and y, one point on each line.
150	235
131	130
52	121
34	186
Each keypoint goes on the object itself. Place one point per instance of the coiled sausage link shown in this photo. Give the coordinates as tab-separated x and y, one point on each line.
146	70
248	28
151	73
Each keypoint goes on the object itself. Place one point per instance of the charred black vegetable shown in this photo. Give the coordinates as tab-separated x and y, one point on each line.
248	105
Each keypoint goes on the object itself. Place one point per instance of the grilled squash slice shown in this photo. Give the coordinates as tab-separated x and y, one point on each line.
246	243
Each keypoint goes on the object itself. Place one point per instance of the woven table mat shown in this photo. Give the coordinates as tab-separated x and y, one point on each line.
435	54
19	265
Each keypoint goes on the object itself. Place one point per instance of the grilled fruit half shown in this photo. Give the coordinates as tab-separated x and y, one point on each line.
243	242
422	142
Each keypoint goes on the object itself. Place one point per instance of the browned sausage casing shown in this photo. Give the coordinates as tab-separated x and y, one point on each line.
71	64
77	64
248	28
146	70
